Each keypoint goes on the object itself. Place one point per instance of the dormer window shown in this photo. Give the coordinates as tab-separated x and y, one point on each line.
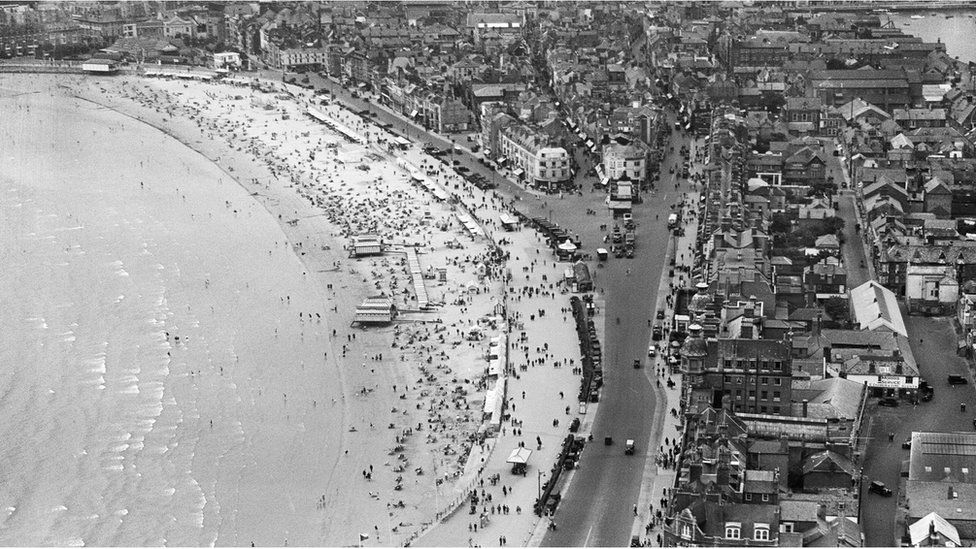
685	531
761	532
733	530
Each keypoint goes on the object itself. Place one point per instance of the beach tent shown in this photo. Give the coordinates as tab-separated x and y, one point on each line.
567	246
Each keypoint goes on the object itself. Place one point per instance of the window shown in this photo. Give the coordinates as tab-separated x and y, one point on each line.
728	379
786	527
777	381
764	380
776	394
748	497
732	530
765	497
685	531
752	394
762	409
764	395
761	532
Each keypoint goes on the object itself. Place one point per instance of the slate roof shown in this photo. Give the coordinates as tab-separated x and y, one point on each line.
828	461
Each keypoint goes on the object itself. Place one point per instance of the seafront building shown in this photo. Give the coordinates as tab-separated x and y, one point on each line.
834	200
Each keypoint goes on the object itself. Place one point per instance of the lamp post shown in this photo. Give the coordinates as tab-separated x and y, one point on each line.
539	485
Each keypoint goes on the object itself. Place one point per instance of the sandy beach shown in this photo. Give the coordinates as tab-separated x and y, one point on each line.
235	253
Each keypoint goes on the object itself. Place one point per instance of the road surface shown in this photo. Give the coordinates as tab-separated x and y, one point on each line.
597	509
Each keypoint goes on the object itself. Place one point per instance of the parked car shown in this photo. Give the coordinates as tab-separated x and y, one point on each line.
956	379
652	350
889	402
925	391
637	363
908	443
878	487
660	314
657	333
629	447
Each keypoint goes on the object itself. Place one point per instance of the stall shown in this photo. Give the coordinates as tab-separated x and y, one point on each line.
519	458
508	222
566	251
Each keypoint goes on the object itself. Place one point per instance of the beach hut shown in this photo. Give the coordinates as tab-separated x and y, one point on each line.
508	222
582	277
376	310
366	245
100	66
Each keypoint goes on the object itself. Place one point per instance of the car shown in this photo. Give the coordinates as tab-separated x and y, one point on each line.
956	379
889	402
637	363
907	445
660	314
629	447
575	425
652	350
925	391
657	333
878	487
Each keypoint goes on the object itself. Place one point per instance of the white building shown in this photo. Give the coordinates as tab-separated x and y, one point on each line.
227	60
630	159
874	307
302	57
931	288
532	158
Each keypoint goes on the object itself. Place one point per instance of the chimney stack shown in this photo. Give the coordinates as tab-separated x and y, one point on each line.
805	402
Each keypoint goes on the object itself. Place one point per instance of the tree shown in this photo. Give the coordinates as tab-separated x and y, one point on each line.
837	308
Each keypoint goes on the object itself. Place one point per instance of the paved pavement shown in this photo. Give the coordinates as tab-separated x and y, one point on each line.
933	343
597	509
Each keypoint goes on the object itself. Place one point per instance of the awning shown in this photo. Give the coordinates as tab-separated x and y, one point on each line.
507	219
519	172
589	143
567	246
606	181
403	141
519	455
503	160
413	113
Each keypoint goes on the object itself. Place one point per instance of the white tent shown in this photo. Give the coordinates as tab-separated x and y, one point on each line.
567	246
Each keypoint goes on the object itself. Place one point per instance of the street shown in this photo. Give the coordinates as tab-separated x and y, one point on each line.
933	343
597	508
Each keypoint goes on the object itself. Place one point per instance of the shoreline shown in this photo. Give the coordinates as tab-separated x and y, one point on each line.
318	245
